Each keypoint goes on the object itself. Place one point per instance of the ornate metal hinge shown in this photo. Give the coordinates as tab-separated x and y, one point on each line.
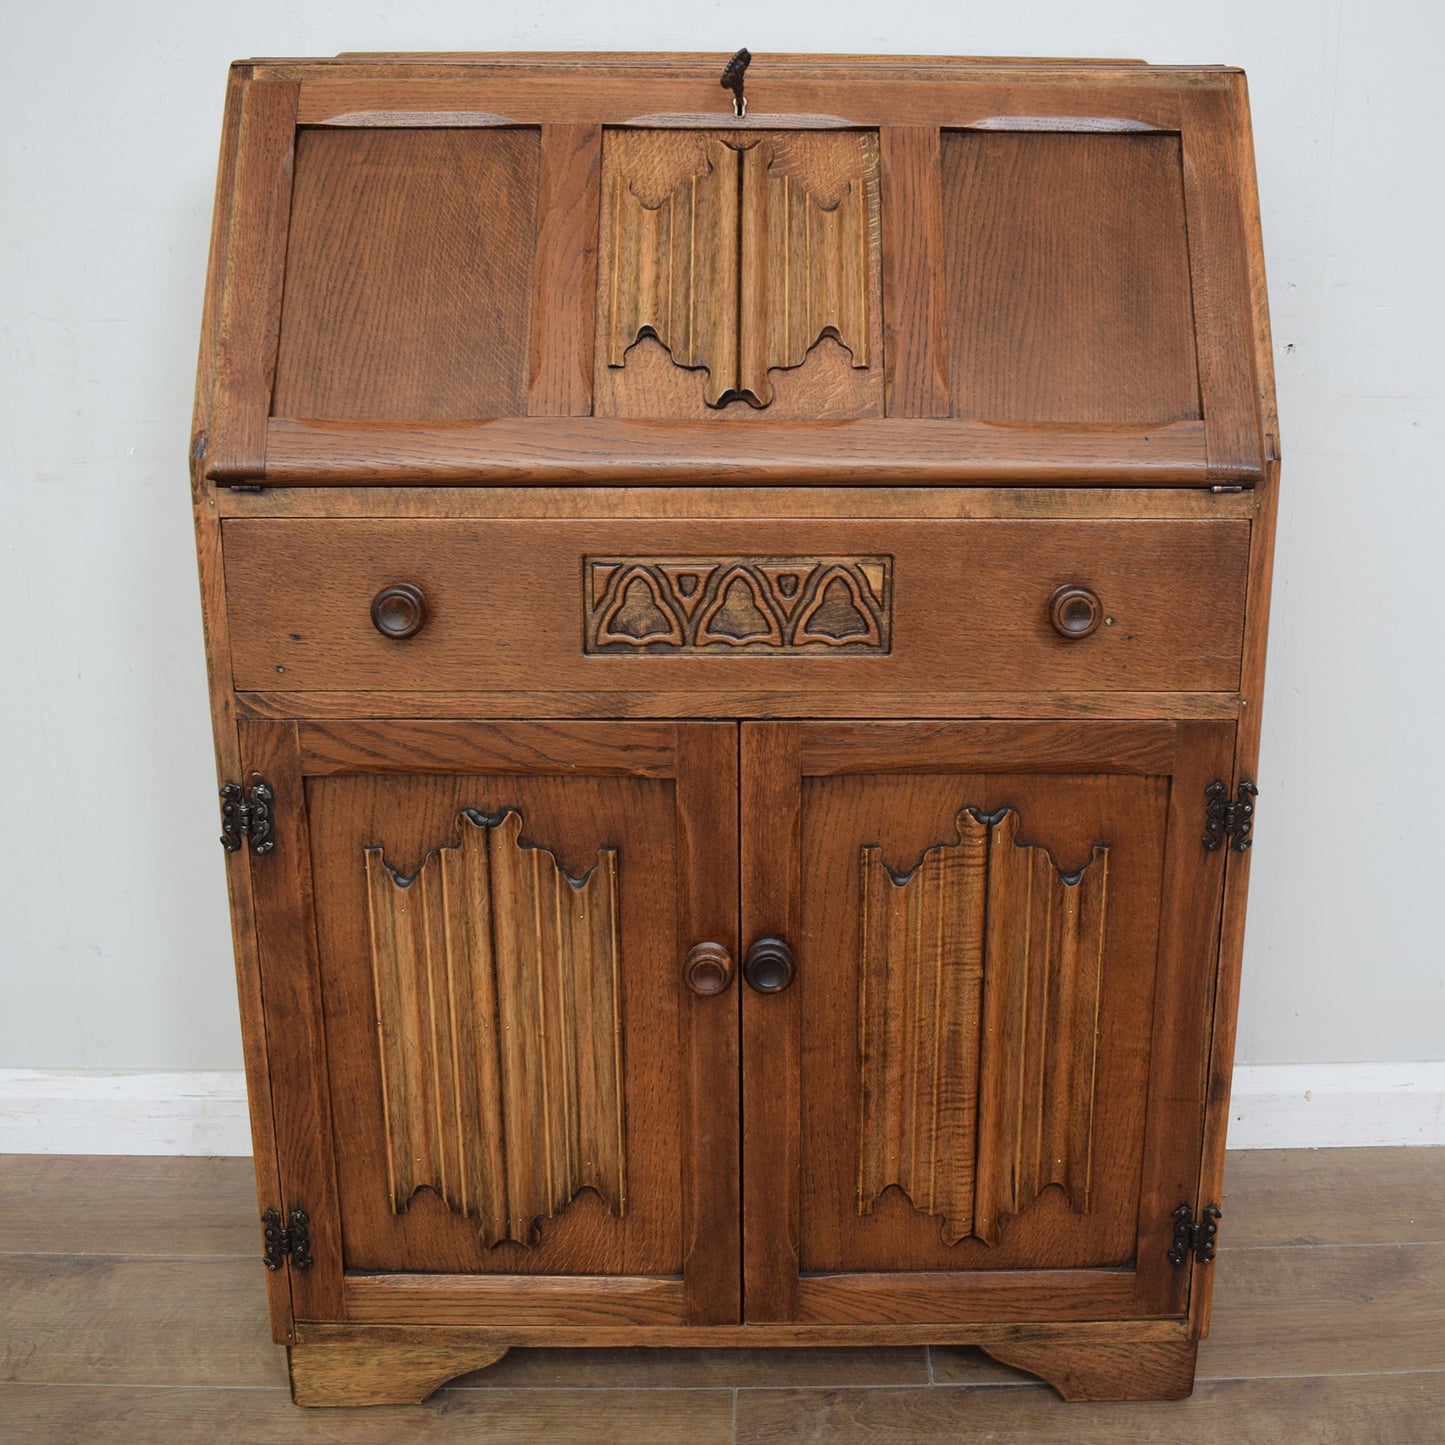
246	815
1224	819
1196	1239
286	1241
732	79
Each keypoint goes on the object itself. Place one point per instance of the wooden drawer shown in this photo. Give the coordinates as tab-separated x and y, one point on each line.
727	606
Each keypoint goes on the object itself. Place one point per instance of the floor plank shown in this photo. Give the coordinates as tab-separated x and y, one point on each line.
145	1319
696	1369
119	1204
1341	1311
61	1416
92	1319
1348	1410
1333	1196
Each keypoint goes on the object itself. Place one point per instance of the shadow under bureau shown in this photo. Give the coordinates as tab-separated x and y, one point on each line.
736	623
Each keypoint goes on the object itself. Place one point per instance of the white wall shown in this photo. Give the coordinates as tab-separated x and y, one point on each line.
114	947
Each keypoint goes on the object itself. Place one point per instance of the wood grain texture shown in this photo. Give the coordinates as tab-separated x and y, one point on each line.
105	1204
1108	1371
250	307
563	316
737	255
1252	672
1223	314
969	604
828	605
915	300
721	503
578	816
101	1320
409	275
982	941
727	701
871	451
284	896
708	863
109	1416
1380	1410
1068	279
531	1301
496	978
770	823
343	1373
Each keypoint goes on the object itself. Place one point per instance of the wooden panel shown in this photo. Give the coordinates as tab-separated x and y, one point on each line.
683	92
628	1066
493	1300
409	275
642	750
775	604
1217	263
647	704
770	820
496	978
1005	1124
885	450
296	1044
707	856
907	1297
718	503
978	1014
1087	1064
577	816
969	603
1068	278
250	309
563	313
736	255
915	302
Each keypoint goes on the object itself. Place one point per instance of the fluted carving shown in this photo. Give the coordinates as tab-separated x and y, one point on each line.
500	1030
740	269
980	976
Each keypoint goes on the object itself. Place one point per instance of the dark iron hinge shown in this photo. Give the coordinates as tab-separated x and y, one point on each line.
1196	1239
286	1241
246	816
1224	819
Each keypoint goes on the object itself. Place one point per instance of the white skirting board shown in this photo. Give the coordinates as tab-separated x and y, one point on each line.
1275	1106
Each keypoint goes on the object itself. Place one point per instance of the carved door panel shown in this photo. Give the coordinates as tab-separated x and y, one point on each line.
1004	939
476	936
739	275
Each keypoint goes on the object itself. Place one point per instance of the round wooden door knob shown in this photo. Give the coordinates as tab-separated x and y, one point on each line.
768	967
1075	611
399	611
708	969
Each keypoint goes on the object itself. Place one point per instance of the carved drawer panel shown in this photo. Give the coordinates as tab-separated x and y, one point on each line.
835	607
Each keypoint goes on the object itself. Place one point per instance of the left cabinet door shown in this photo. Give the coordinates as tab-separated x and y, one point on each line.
496	1096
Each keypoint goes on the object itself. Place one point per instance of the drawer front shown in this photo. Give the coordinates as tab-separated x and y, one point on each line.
726	606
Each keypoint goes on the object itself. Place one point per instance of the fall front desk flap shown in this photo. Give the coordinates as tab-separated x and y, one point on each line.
578	268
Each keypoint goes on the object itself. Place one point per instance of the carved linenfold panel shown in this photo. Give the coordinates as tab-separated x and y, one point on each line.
500	1028
741	267
731	605
978	1016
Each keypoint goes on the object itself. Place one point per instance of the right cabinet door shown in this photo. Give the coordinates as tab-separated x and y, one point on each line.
981	1096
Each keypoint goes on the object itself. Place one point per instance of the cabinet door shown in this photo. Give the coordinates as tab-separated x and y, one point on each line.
495	1096
981	1097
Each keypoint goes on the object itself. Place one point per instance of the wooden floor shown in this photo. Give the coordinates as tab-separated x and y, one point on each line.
132	1309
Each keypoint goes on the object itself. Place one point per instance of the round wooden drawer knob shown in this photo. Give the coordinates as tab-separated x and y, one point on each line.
708	969
768	967
400	611
1075	611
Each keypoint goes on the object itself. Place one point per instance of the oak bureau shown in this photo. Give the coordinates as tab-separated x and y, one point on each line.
735	597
